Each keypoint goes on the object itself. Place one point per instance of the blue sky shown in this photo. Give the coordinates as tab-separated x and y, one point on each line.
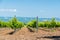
31	8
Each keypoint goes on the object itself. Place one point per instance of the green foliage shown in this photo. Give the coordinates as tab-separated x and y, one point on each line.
2	24
44	24
32	23
19	25
53	23
57	24
14	23
40	24
49	24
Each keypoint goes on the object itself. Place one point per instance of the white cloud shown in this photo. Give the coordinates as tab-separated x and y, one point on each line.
7	10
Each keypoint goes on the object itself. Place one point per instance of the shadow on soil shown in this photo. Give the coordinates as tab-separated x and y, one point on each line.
53	37
30	30
11	33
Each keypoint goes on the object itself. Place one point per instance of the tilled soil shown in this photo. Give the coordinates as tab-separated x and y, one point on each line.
25	34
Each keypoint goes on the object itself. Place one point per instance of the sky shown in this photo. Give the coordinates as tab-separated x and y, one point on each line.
30	8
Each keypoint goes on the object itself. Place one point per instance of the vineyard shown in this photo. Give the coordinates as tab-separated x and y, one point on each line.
15	24
36	29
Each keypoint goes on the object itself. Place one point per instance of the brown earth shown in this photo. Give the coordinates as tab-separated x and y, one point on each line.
25	34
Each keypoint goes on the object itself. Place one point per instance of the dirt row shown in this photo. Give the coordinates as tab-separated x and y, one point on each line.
25	34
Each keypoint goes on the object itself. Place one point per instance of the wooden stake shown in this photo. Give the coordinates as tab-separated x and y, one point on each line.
37	24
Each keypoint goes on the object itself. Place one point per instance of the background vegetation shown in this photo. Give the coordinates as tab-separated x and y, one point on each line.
47	24
15	24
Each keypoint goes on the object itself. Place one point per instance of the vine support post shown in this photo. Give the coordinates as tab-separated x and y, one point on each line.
37	24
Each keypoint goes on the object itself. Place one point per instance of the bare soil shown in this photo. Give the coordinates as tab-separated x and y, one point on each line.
25	34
